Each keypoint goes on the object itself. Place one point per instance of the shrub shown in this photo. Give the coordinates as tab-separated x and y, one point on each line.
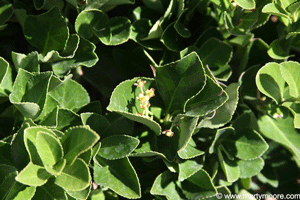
152	99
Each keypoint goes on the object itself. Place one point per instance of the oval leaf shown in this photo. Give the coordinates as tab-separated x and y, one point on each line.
270	81
74	177
119	175
76	141
49	148
55	31
117	146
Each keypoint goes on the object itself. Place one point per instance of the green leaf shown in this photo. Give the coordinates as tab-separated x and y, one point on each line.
140	30
28	62
219	137
82	194
117	146
295	109
74	177
7	179
20	156
70	95
294	7
165	185
119	175
6	78
230	168
54	35
29	92
87	20
270	81
280	49
246	144
249	168
281	131
50	191
187	126
189	167
30	140
57	168
275	9
123	101
195	189
289	71
20	192
215	53
117	31
6	11
209	99
48	148
76	141
33	175
224	113
97	122
169	36
268	176
246	4
179	81
92	107
190	151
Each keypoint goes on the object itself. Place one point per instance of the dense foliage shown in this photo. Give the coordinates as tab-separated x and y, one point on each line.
151	99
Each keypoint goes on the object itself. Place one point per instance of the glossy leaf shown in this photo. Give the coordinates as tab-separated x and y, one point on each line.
189	167
246	144
116	31
6	11
282	131
165	185
87	20
33	175
270	81
119	175
55	31
117	146
249	168
209	99
289	71
50	191
76	141
70	95
97	122
179	81
74	177
30	140
246	4
193	189
84	56
215	53
48	148
190	151
230	168
224	113
6	79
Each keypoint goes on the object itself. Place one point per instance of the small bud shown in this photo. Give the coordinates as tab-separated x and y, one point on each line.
168	133
150	93
140	83
145	105
143	98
